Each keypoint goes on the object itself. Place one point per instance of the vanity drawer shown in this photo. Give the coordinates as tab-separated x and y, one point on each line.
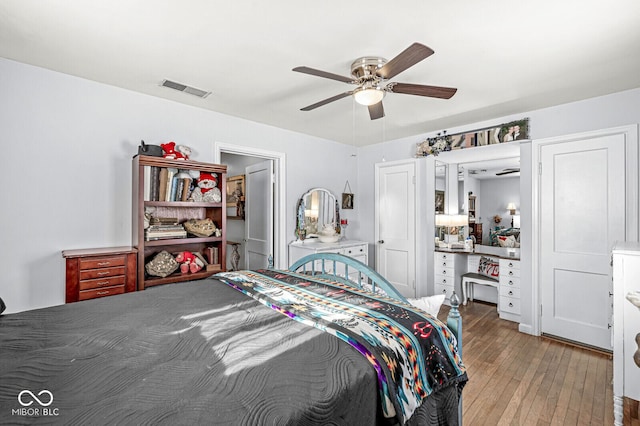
509	264
510	305
510	273
444	257
445	280
509	282
449	272
513	292
447	290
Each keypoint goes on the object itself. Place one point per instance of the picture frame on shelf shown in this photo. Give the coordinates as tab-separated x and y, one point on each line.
439	201
235	190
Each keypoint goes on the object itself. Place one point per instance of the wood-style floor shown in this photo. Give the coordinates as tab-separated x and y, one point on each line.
519	379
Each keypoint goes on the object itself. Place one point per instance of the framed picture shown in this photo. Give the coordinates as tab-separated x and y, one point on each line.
439	201
235	190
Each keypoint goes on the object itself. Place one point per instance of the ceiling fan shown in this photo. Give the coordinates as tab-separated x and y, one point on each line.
371	75
508	171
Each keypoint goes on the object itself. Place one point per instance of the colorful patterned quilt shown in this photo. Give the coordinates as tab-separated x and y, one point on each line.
413	353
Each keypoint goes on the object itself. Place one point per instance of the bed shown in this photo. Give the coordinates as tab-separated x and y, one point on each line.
232	349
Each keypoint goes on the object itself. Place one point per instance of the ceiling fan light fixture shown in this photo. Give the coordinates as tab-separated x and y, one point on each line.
368	95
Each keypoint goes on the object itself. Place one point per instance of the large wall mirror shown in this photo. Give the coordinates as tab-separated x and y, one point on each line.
315	209
485	192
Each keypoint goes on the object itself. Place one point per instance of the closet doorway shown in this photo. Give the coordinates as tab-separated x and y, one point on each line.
242	158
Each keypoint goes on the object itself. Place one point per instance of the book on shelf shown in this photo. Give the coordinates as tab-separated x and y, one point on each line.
147	183
155	178
166	228
186	189
171	172
164	174
163	220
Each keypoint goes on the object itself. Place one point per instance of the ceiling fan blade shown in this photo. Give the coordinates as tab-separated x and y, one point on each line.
422	90
407	58
376	111
507	171
326	101
319	73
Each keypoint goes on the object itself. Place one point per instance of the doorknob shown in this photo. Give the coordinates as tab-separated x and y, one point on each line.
381	241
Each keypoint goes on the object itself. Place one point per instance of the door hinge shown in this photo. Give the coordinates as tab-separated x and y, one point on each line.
273	178
413	179
540	310
540	168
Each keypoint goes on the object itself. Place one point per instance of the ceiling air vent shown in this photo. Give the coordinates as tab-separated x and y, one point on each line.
184	88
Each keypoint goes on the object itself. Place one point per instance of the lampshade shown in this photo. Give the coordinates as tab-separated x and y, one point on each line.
368	95
443	220
512	208
459	220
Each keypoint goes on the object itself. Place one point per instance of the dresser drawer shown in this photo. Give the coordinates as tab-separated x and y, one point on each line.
101	273
100	292
357	252
510	305
513	292
102	282
101	262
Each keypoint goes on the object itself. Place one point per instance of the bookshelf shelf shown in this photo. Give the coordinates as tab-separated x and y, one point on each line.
144	179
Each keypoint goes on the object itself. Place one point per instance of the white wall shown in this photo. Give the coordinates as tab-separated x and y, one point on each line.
604	112
495	194
68	144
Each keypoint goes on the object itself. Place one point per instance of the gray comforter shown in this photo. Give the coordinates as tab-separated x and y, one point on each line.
191	353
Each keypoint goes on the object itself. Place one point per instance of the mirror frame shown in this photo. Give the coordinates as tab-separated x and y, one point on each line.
300	230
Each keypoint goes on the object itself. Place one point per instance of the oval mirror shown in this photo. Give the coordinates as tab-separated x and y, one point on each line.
316	208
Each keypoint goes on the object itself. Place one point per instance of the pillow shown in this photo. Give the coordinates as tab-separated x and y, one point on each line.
509	241
488	267
162	265
429	304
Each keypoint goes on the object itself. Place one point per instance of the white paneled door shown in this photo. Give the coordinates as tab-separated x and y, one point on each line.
582	208
395	224
259	215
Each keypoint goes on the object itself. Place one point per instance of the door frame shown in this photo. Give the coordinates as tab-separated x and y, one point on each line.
280	199
632	198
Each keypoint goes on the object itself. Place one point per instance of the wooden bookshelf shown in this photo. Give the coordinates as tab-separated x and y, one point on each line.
182	210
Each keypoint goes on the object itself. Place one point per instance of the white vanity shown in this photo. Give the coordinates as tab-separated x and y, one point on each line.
626	326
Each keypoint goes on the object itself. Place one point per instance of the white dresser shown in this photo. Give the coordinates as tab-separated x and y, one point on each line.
626	326
509	290
448	269
352	248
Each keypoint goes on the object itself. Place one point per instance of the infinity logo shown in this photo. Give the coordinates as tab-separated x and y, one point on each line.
28	392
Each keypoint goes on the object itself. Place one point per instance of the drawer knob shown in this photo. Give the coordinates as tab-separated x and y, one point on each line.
444	291
510	293
103	283
104	263
510	282
381	241
444	264
510	272
103	273
510	265
444	281
102	293
510	305
444	272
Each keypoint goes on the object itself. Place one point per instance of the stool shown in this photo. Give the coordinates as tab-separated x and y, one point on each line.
471	278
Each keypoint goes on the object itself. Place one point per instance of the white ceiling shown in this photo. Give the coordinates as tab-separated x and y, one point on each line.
504	56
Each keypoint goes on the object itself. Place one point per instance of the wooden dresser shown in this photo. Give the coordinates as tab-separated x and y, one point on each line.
99	272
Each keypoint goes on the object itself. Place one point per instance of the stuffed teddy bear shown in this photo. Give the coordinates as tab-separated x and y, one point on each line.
189	262
207	189
170	151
